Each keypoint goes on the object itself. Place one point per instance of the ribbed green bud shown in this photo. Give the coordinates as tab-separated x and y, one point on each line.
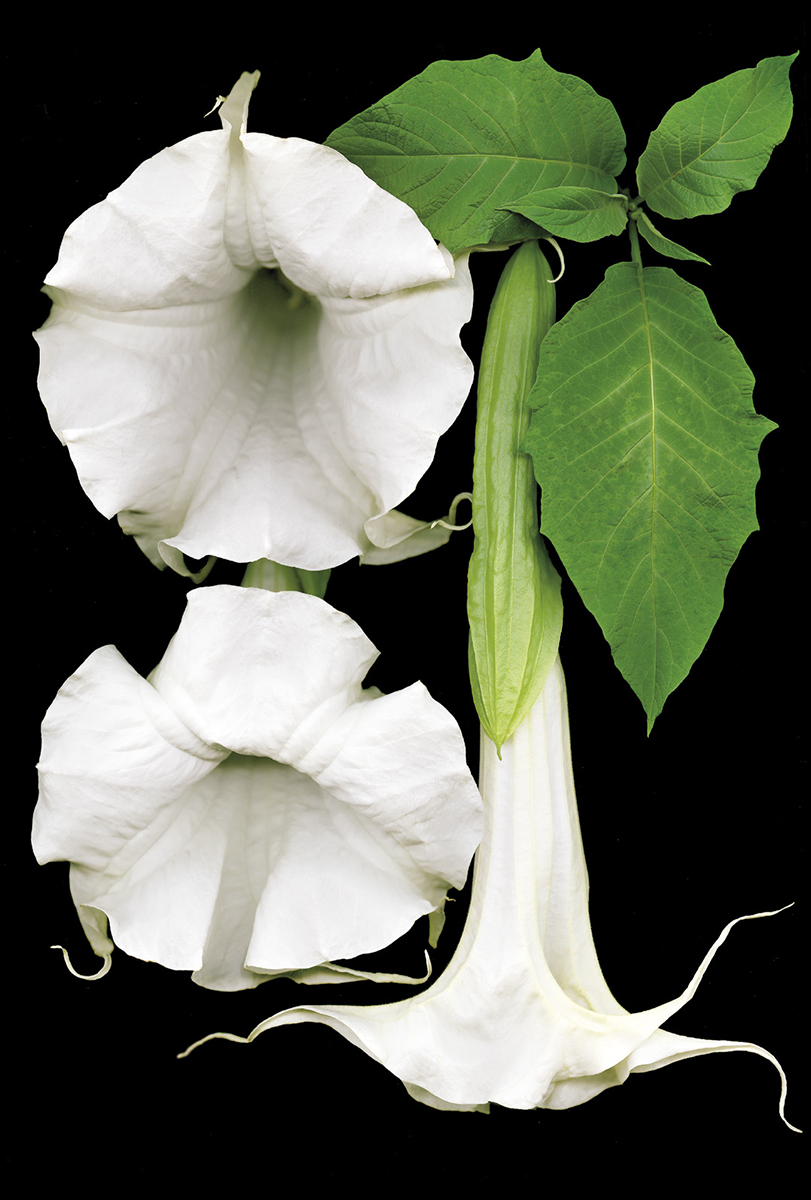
514	604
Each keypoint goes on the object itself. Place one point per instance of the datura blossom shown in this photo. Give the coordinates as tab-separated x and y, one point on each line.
253	350
522	1015
250	809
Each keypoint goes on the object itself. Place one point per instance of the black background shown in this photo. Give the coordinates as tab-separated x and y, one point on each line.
684	830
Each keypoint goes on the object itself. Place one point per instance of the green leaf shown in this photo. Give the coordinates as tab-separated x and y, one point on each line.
645	445
664	245
716	143
462	140
514	605
579	213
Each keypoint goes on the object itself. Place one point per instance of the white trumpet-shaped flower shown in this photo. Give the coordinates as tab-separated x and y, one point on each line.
251	810
253	350
522	1015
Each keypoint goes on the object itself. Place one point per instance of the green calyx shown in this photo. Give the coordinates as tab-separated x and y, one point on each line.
514	604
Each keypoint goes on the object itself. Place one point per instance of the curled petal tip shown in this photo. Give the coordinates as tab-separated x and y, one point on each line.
451	521
234	110
102	971
211	1037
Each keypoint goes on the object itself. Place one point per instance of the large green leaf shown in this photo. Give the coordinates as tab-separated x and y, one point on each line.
717	142
645	445
463	139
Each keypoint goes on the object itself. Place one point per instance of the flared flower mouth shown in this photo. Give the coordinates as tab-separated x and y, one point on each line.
253	350
522	1015
251	810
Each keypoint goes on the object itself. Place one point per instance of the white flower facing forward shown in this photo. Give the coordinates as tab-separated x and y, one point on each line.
253	350
250	809
522	1015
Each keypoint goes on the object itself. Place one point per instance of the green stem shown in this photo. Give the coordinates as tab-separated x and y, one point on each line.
273	577
636	255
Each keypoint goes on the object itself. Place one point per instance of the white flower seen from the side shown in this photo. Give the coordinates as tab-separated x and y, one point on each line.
251	810
521	1016
253	350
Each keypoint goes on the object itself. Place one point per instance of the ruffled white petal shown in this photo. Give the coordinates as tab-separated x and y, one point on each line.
263	673
251	810
116	770
221	405
522	1015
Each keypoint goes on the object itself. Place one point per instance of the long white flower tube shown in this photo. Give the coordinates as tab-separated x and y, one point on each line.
522	1015
253	350
250	809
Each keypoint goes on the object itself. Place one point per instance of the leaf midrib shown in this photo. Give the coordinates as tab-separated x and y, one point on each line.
357	159
654	486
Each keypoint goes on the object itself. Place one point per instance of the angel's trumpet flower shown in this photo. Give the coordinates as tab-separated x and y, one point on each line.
252	352
522	1015
251	810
